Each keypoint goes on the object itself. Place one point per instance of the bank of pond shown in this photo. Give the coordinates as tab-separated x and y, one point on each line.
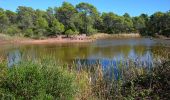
120	69
48	80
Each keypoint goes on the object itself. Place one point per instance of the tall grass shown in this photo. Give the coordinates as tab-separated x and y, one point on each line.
48	80
4	37
111	36
127	82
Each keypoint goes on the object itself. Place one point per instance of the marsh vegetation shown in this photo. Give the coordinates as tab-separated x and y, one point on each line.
48	80
113	67
105	69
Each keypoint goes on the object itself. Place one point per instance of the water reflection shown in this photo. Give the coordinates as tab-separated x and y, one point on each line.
139	50
111	57
112	67
14	57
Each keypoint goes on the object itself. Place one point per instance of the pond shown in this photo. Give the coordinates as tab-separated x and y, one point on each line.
142	50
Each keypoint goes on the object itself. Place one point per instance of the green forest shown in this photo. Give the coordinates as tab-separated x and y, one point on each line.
83	18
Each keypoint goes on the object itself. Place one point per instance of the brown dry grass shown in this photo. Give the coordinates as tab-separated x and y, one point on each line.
21	40
109	36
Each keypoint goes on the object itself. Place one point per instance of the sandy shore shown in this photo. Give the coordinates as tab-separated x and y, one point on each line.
5	39
86	39
55	40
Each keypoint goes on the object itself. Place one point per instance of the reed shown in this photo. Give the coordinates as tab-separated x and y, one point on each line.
111	36
106	85
47	79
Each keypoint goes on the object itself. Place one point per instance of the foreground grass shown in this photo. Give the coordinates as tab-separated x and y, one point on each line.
48	81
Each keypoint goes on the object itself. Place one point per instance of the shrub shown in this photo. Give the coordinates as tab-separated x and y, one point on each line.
91	30
57	27
12	30
39	33
3	72
28	33
37	81
71	32
154	85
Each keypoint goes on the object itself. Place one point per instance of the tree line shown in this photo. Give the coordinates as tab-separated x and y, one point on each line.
83	18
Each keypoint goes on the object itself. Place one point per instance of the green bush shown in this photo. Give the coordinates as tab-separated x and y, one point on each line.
91	30
3	72
12	30
71	32
56	27
28	33
37	81
153	86
39	33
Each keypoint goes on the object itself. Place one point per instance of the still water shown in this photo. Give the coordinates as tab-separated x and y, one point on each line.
142	50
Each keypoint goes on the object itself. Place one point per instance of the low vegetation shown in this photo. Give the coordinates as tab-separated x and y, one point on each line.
30	80
83	18
154	85
111	36
4	37
47	80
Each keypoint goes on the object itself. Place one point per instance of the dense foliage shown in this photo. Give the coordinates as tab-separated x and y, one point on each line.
154	85
79	19
32	81
47	81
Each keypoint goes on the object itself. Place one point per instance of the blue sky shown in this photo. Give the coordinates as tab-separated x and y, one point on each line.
133	7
